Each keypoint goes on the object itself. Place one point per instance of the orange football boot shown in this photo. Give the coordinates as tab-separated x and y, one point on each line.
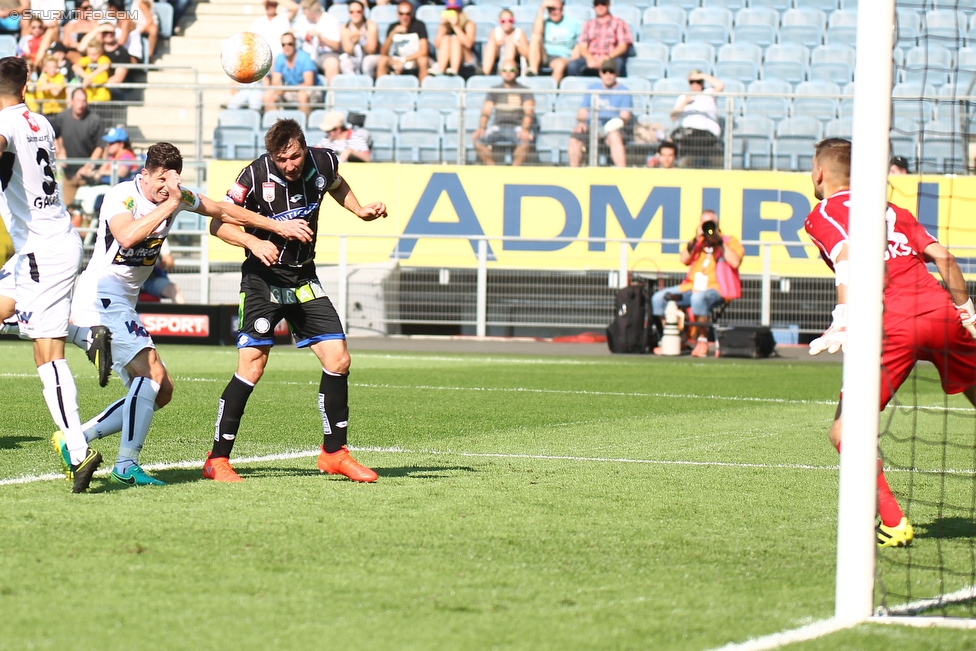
342	463
219	469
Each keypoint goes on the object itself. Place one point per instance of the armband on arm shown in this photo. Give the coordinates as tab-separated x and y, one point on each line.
967	314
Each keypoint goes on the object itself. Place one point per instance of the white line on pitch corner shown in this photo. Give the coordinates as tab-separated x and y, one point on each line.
784	638
921	605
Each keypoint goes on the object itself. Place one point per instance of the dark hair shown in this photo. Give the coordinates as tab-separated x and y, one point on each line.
13	76
835	154
79	89
667	144
358	2
164	155
281	133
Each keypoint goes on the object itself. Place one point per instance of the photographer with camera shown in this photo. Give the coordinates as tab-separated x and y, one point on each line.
700	289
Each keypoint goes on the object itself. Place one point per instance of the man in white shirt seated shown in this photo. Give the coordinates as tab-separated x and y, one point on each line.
349	143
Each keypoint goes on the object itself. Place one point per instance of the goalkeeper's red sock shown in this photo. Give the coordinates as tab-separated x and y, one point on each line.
888	508
891	514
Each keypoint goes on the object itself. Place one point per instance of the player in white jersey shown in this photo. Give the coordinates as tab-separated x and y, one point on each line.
48	256
134	219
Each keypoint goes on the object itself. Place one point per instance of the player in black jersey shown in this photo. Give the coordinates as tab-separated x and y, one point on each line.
290	182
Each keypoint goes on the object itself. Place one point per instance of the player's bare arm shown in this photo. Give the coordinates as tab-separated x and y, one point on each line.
231	213
129	231
345	197
263	250
949	269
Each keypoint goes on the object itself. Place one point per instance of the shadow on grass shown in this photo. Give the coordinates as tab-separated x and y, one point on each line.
174	476
14	442
413	472
947	528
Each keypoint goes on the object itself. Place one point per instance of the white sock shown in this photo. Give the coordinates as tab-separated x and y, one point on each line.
137	413
61	397
106	423
80	337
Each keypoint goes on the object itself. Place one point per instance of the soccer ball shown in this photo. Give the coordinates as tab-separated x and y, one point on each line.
246	57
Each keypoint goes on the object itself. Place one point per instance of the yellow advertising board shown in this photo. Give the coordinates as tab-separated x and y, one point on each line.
527	212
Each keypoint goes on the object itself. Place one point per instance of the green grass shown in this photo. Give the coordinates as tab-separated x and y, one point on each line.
523	503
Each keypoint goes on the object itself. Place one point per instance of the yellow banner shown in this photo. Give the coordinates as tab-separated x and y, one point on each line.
540	205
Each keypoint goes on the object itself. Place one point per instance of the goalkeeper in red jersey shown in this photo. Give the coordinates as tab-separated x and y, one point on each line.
921	319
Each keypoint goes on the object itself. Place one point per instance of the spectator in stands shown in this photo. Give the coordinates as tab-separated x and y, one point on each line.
613	114
107	34
699	134
117	149
454	42
146	25
349	143
899	165
320	35
159	283
75	29
666	157
360	43
700	288
273	25
179	8
33	47
514	119
78	134
604	37
405	50
506	44
554	36
51	89
92	70
10	13
294	68
59	52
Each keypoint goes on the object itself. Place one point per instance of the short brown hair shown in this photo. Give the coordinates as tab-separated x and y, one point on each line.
281	133
834	154
13	76
164	155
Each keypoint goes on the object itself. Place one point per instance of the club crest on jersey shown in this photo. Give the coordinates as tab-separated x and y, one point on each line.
130	204
237	193
268	191
319	182
31	122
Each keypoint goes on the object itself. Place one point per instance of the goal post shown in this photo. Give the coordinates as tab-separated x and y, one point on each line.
856	541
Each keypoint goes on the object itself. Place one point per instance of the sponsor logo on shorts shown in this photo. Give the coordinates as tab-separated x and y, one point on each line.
242	340
237	193
24	317
177	325
262	325
4	274
136	328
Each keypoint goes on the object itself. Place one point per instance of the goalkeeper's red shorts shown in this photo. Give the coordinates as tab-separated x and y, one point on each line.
938	337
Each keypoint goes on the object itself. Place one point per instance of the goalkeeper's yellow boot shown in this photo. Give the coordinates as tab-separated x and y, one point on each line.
899	536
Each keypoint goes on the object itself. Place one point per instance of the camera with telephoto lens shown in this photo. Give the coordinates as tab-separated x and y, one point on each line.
711	233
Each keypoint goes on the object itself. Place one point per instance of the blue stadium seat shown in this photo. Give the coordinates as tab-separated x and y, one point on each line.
449	142
353	100
663	103
804	26
426	13
658	51
351	81
239	118
842	28
904	137
641	85
419	137
340	12
400	101
756	25
832	63
580	13
477	87
822	5
663	24
793	146
787	61
235	143
752	142
484	14
815	104
628	13
839	128
382	125
734	5
710	25
739	61
775	108
553	141
384	16
941	154
544	95
398	81
965	69
944	26
445	102
778	5
8	45
643	4
652	69
930	65
909	22
270	117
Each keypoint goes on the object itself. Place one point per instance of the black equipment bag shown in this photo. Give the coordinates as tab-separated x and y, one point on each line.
744	341
632	330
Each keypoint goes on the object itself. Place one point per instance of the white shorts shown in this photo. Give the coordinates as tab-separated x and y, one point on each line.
44	280
129	335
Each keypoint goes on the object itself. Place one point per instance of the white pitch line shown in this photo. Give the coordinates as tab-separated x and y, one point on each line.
784	638
921	605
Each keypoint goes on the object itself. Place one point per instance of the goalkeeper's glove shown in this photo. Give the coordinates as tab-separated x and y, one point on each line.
967	314
835	338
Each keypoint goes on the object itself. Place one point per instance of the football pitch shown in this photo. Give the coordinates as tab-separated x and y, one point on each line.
524	502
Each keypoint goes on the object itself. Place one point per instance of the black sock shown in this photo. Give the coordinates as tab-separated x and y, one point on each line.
229	412
334	405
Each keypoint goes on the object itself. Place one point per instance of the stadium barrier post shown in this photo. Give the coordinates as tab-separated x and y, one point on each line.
482	297
205	268
594	140
462	140
729	118
622	268
767	286
856	541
